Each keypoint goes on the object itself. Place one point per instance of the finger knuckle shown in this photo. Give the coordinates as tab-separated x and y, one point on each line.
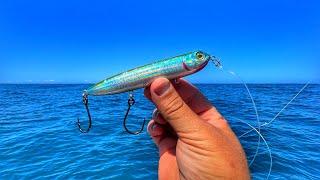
173	105
223	122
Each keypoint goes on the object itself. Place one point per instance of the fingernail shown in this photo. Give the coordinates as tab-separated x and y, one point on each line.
154	126
155	113
162	87
150	127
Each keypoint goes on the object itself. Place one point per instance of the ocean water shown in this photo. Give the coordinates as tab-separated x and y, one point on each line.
39	138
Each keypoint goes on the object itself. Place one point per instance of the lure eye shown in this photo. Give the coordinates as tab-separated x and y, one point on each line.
200	56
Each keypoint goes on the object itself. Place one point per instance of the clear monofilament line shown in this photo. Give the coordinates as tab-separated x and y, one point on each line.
218	64
256	112
265	142
292	99
305	86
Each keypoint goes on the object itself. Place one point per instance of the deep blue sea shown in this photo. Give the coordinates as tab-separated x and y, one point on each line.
39	138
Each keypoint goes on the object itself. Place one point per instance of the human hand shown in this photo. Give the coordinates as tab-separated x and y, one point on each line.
194	140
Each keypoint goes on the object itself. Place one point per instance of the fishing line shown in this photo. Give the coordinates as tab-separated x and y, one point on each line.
256	113
305	86
292	99
265	142
217	63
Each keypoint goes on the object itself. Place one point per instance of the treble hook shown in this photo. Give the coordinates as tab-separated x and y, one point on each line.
131	102
85	102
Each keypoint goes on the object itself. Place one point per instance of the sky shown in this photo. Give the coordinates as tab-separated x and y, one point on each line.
55	41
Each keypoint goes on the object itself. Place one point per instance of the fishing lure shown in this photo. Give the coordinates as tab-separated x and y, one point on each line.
140	77
172	68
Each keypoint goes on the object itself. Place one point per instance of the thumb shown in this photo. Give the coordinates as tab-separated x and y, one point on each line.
174	110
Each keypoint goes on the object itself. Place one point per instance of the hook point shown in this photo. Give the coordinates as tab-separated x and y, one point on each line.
85	102
131	102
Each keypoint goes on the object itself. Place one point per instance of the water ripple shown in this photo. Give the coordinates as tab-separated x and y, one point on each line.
39	138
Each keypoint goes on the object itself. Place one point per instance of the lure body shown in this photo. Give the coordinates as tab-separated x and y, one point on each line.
140	77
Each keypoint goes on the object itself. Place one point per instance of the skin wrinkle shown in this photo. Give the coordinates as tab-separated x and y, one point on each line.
194	138
189	174
224	152
173	106
195	92
195	172
197	96
191	134
190	141
182	176
203	148
198	150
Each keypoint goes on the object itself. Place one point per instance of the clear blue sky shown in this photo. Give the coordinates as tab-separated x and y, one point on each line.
58	41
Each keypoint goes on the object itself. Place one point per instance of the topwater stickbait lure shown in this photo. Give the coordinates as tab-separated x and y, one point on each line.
141	77
171	68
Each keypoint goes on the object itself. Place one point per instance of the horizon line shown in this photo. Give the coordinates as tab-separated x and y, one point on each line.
57	83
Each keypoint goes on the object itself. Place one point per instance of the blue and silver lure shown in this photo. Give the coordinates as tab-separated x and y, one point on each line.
140	77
